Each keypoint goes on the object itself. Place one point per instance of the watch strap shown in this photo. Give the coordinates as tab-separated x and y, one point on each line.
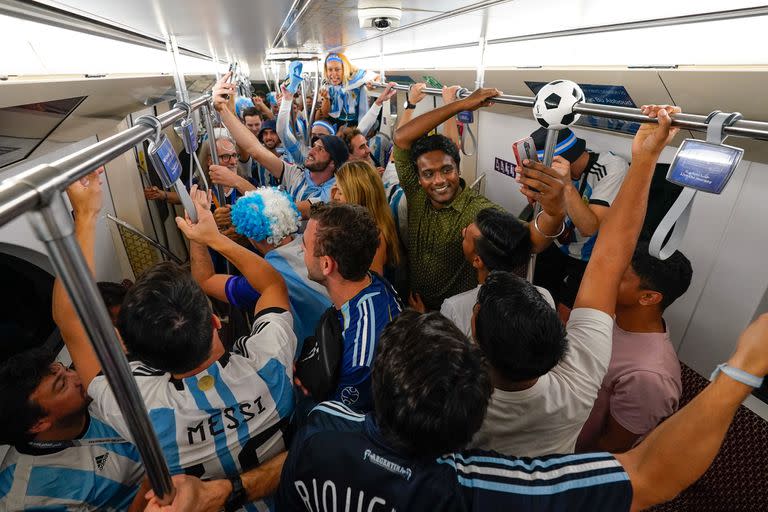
237	497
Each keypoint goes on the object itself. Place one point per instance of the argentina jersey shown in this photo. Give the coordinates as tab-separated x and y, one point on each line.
227	418
309	299
362	319
97	471
261	177
598	185
297	181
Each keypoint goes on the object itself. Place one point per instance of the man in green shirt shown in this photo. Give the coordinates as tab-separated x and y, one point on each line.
440	205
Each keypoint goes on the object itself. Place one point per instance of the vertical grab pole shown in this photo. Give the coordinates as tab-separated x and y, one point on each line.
212	145
55	229
308	133
549	154
314	96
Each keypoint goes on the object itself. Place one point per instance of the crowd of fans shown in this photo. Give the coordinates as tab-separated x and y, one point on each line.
395	357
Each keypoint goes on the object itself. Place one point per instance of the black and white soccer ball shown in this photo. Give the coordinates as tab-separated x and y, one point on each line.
553	106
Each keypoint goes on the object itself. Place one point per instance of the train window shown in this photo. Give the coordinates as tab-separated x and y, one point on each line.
24	127
25	307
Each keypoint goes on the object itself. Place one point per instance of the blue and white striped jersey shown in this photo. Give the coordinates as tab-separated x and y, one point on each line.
367	474
297	181
599	184
225	419
398	204
98	471
309	299
362	319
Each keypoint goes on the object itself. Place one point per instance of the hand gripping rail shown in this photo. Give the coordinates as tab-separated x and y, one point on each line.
694	122
39	191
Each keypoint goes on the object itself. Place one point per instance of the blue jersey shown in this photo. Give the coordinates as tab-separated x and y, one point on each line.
367	474
98	471
362	319
309	299
297	181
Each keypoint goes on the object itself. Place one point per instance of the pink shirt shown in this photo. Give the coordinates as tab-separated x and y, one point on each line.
641	388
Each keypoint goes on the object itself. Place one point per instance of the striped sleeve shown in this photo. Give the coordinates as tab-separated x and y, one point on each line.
586	482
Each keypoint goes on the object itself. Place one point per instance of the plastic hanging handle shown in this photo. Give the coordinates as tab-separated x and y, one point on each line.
676	219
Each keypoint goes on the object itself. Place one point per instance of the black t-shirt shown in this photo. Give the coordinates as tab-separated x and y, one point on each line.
340	462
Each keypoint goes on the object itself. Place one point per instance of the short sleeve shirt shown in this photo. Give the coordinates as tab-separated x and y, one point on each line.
641	388
362	318
438	269
599	185
547	417
227	418
102	476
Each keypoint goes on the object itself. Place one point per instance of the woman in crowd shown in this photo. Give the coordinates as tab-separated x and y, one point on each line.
345	90
358	182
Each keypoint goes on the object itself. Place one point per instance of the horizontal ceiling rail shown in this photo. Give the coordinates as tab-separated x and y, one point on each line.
694	122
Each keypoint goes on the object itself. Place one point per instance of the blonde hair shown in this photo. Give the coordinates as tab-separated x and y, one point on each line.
362	185
347	68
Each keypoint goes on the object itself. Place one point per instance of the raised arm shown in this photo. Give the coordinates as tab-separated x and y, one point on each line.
369	119
296	148
407	133
451	126
681	449
260	274
243	136
619	231
86	203
221	175
195	495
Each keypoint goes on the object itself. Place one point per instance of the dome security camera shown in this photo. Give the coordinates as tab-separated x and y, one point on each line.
379	14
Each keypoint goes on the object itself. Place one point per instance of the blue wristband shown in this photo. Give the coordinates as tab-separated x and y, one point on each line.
737	375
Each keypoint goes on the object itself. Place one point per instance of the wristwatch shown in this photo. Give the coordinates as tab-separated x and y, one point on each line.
237	497
408	105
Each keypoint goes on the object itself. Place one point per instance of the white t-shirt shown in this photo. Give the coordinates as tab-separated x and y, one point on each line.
547	417
458	308
227	418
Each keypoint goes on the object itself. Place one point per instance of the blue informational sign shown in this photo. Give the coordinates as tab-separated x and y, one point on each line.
165	161
704	166
190	137
615	95
466	117
504	167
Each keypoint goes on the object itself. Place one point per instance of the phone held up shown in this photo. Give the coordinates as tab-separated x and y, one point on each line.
524	149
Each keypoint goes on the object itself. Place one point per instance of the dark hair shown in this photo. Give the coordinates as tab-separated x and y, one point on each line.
165	320
430	385
349	133
252	112
348	234
436	142
520	333
112	293
670	277
20	375
505	242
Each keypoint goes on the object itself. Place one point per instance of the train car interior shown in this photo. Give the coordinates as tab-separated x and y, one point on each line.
155	96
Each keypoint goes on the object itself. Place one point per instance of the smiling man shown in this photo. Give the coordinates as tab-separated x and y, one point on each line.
440	205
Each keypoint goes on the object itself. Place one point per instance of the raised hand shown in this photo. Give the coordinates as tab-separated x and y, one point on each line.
651	138
85	194
223	217
544	184
388	93
205	231
200	197
480	98
416	93
449	94
222	92
221	175
752	349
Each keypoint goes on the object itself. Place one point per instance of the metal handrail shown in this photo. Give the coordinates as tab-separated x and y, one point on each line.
694	122
39	191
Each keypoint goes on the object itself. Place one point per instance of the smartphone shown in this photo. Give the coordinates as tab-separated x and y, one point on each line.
525	149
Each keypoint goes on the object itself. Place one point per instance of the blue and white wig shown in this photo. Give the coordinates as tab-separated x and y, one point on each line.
266	213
